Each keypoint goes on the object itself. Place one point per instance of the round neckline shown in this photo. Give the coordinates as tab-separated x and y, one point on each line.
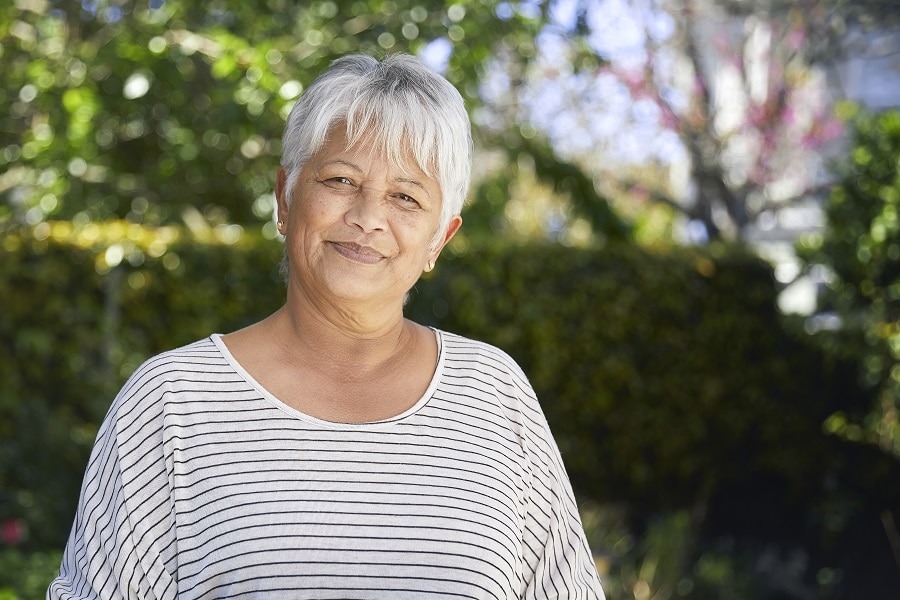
277	403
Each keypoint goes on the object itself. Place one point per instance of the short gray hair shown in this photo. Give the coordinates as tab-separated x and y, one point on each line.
400	100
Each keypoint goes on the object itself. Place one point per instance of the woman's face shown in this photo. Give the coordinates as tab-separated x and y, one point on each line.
358	227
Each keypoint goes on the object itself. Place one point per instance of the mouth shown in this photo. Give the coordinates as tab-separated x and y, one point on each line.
357	252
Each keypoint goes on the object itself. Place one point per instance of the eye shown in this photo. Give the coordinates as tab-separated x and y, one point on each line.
339	183
407	200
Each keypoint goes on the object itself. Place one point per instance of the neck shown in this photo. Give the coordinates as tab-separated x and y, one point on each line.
349	338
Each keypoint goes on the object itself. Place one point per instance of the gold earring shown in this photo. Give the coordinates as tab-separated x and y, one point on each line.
280	225
430	265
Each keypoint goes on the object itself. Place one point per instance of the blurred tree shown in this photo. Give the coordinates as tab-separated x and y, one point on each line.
726	105
828	22
157	111
171	110
861	246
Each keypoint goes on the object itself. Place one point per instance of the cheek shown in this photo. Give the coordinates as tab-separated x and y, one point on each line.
414	224
418	235
315	213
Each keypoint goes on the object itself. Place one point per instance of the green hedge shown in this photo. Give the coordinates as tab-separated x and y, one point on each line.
72	329
666	375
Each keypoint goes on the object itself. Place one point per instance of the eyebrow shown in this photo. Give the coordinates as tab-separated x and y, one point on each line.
339	161
415	182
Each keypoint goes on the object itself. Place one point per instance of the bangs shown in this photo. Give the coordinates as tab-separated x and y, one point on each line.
395	131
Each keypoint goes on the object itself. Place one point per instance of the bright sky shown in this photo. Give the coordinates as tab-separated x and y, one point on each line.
583	112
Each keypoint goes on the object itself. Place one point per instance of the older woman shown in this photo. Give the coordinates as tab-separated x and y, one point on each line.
336	449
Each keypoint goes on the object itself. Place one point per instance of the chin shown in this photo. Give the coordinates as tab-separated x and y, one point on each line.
354	292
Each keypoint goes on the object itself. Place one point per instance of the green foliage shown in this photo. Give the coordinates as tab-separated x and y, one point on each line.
682	349
26	576
74	326
563	177
861	246
660	563
140	110
172	111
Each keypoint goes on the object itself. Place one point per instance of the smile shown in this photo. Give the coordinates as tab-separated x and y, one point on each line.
357	253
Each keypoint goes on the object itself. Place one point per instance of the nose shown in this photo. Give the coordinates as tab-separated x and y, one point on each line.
368	210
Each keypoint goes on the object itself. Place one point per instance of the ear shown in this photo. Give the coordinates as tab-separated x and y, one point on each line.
452	227
282	202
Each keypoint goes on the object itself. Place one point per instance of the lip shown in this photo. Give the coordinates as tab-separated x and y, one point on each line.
357	252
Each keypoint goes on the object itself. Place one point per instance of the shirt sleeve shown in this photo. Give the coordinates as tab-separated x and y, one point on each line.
560	561
123	532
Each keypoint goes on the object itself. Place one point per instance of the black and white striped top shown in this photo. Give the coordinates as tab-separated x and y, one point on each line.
203	485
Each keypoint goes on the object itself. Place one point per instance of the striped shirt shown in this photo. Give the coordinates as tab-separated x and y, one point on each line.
202	485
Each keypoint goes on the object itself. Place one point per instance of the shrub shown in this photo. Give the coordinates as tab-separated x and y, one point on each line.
861	248
25	576
74	326
666	375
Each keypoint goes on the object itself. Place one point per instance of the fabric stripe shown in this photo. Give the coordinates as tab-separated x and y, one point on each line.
201	485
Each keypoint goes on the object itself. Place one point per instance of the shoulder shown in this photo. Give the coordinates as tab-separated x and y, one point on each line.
198	356
486	375
460	351
130	438
140	398
486	371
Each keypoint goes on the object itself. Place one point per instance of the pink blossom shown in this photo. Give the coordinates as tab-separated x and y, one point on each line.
720	42
13	531
796	38
788	116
